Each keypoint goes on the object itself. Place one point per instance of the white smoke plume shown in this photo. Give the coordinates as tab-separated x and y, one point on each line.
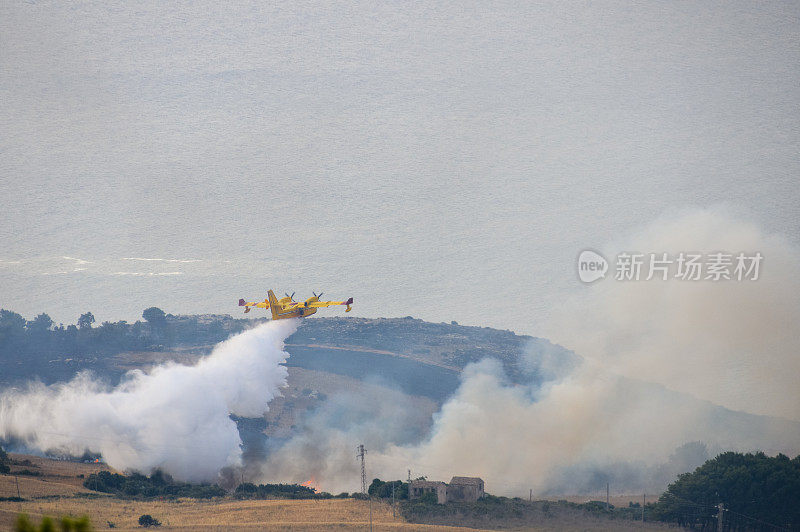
735	343
174	417
557	437
324	446
665	364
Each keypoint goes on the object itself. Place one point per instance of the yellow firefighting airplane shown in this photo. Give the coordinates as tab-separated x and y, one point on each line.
287	307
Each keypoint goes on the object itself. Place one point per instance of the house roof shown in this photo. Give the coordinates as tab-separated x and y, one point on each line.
427	483
469	481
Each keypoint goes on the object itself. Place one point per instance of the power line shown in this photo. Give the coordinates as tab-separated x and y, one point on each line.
708	507
691	503
776	527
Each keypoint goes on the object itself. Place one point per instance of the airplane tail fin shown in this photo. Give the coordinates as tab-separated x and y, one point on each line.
273	303
271	297
348	303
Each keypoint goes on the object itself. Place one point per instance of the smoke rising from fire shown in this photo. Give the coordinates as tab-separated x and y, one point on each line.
664	364
173	417
733	343
661	367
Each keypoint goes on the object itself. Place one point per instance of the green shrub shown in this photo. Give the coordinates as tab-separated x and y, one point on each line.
159	484
382	489
67	524
248	490
148	520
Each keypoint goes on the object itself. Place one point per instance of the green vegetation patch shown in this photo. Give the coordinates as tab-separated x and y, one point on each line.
278	491
48	524
385	490
757	491
4	462
492	512
159	484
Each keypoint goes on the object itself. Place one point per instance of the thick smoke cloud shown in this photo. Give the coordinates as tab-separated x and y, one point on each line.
174	417
733	343
665	364
324	445
574	434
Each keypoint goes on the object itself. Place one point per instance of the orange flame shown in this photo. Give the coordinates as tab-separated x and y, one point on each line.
311	483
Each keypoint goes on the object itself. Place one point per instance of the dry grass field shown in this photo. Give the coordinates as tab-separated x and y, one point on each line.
57	490
338	514
53	477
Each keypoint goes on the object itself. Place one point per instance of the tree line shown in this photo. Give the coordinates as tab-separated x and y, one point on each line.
158	484
757	492
42	339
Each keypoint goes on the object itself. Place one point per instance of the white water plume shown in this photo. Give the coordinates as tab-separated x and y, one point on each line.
173	417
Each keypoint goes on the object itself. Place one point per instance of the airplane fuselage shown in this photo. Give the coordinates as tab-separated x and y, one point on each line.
286	307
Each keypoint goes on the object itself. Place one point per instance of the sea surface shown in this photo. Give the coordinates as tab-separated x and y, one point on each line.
445	160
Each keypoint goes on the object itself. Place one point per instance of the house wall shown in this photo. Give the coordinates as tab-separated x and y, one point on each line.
462	493
459	490
416	490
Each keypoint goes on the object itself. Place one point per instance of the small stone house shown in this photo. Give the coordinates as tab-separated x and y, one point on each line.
464	489
460	489
418	488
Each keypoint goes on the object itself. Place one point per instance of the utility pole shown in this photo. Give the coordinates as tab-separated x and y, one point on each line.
606	496
643	499
19	498
530	496
720	509
409	476
361	453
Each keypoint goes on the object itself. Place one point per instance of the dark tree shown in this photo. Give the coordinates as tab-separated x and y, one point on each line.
11	321
158	484
154	316
248	490
12	332
382	489
86	321
148	520
40	323
750	486
4	468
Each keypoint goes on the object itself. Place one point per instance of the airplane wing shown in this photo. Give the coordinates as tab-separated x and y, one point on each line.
320	304
248	304
315	304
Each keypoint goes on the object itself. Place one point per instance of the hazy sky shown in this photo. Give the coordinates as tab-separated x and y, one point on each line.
441	160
